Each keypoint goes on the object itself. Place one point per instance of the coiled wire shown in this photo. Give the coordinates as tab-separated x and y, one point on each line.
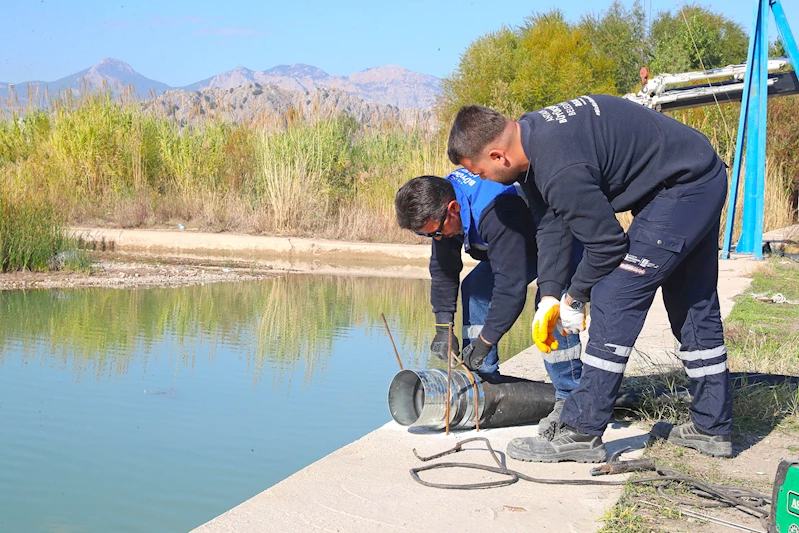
743	498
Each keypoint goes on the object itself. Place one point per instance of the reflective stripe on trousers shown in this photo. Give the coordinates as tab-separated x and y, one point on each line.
673	245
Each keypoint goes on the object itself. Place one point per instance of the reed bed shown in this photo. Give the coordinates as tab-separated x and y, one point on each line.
102	158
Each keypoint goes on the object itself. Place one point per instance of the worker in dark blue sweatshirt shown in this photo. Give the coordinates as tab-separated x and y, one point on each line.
495	226
590	158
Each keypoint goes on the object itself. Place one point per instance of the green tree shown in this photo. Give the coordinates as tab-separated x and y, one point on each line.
542	62
485	73
620	35
777	49
547	59
695	38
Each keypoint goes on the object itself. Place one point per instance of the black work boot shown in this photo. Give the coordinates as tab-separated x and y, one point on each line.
689	436
558	443
551	418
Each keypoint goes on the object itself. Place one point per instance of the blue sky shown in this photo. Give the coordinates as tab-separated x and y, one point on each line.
180	42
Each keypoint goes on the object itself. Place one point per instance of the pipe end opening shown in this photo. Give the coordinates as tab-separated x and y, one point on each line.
406	397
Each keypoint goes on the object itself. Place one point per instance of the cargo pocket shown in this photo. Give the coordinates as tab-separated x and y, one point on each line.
660	239
652	251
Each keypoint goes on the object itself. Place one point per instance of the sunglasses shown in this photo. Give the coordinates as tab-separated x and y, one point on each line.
436	233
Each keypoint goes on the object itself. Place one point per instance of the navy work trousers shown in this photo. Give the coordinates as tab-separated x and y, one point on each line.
673	245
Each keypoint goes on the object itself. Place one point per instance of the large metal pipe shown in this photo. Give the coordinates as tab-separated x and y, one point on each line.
417	398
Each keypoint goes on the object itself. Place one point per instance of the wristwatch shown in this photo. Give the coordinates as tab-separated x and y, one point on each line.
574	304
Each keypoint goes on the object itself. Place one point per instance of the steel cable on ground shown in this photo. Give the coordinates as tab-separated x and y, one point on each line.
743	498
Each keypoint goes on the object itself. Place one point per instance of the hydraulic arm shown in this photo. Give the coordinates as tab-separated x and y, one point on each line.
722	85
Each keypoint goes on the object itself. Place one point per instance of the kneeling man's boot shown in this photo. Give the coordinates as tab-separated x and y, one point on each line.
558	443
690	436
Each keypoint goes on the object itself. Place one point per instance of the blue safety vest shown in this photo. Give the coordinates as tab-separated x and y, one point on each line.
474	195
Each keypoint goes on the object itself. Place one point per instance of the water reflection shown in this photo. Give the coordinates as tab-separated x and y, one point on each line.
281	323
158	409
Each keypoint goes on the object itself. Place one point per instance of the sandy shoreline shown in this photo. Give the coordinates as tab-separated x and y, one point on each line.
169	258
129	273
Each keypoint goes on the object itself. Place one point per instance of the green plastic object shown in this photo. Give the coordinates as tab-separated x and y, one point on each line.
785	499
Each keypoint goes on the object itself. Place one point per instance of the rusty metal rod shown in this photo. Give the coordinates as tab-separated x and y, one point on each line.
450	355
474	388
392	341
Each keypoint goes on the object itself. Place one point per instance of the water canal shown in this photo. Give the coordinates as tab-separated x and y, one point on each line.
155	410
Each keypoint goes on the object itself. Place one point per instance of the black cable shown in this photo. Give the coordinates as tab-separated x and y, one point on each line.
734	496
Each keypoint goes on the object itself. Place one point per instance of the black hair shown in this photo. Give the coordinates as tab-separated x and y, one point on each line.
421	200
474	127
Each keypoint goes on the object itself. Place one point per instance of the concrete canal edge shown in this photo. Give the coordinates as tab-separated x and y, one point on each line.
282	254
366	485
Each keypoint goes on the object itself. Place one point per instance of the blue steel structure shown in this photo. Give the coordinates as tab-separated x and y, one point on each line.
752	129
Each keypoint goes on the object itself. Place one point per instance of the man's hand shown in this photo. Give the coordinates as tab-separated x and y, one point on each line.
439	345
571	320
474	353
546	317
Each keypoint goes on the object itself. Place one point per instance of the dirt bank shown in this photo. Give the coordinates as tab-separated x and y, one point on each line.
164	258
130	273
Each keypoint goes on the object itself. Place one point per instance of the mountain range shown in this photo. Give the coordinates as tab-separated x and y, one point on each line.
258	104
391	84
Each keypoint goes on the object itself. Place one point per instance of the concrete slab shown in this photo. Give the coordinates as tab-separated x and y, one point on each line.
782	235
239	245
366	486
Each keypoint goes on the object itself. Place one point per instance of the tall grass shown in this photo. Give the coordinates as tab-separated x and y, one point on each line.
720	124
31	235
106	161
102	159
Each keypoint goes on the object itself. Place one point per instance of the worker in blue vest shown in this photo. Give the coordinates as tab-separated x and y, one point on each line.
495	226
590	158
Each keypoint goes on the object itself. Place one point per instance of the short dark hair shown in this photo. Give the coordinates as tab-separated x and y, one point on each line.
474	127
421	200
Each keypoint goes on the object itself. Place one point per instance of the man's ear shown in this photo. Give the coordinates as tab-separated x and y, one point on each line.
497	155
454	206
501	146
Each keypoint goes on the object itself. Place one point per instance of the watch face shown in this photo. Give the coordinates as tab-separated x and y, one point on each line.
577	305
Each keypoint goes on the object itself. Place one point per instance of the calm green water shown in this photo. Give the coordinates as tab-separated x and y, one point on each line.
156	410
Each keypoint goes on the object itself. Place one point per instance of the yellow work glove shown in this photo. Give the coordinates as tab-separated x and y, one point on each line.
546	317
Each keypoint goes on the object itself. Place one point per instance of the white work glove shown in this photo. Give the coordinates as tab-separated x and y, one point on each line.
571	320
546	317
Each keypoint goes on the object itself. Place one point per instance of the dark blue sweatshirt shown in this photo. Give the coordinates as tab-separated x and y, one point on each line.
507	226
593	157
